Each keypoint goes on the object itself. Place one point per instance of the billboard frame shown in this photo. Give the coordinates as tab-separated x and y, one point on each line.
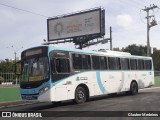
101	26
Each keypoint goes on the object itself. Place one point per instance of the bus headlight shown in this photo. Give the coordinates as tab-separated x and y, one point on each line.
43	90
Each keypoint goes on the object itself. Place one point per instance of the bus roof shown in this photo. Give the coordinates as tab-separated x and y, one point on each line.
98	52
106	52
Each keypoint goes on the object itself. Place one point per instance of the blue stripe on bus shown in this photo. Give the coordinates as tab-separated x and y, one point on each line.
100	82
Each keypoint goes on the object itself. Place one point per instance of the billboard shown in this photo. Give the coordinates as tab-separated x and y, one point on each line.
76	25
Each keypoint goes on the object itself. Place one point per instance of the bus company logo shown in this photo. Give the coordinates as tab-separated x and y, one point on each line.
6	114
77	79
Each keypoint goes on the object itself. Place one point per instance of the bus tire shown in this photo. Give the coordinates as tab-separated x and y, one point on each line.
80	95
133	88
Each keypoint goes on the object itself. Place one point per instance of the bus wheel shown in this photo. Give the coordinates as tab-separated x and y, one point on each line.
80	95
133	88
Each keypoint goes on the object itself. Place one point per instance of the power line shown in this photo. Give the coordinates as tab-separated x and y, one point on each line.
129	3
141	17
145	1
139	2
130	30
23	10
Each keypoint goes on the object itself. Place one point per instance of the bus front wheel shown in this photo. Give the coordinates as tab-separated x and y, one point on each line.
80	95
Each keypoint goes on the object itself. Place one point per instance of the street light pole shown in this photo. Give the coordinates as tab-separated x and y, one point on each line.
15	58
15	67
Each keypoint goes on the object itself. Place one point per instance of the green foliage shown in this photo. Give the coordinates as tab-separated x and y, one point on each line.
142	51
136	50
156	59
116	49
6	66
1	78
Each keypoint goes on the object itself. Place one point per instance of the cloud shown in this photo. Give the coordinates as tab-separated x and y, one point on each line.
124	20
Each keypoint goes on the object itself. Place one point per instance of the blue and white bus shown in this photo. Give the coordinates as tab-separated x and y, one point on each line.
54	74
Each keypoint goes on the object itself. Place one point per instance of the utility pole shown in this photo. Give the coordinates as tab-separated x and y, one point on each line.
15	58
149	25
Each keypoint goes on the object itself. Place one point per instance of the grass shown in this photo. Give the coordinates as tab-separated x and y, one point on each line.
9	94
157	80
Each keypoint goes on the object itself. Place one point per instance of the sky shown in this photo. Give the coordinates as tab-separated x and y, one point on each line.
23	23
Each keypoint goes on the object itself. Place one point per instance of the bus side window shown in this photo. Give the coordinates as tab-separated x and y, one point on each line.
103	63
114	63
111	63
86	64
133	64
96	62
125	64
77	61
118	64
62	65
147	65
140	64
53	65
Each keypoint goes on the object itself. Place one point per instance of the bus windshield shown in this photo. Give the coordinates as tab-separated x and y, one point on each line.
35	69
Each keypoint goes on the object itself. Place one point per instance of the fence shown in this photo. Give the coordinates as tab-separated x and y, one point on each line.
8	79
156	73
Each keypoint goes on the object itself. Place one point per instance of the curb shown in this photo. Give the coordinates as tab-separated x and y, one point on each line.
154	87
8	103
15	103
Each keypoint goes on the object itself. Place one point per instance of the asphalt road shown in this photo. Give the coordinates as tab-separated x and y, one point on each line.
146	100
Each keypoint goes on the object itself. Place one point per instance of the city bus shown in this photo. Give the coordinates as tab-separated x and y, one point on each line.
55	74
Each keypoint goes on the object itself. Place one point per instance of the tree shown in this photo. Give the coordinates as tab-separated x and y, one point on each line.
116	49
156	60
136	50
142	51
6	66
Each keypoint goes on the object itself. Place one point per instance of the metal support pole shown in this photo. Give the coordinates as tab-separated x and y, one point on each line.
148	42
110	38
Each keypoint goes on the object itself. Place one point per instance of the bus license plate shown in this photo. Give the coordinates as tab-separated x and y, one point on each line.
28	97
